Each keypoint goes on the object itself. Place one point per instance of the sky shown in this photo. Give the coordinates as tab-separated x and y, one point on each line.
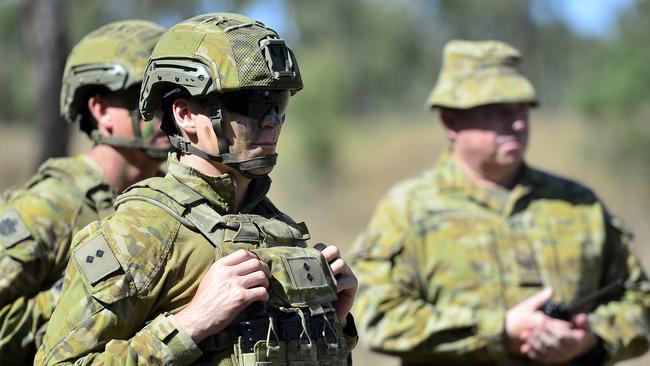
591	18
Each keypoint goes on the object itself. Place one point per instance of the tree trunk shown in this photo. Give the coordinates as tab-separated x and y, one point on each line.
43	27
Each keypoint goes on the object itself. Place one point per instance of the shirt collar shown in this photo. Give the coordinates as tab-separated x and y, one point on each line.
218	190
453	180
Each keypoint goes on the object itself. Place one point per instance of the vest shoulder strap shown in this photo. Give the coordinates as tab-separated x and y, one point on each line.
179	201
74	171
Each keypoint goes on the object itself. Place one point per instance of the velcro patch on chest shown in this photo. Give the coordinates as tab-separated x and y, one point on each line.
95	259
12	229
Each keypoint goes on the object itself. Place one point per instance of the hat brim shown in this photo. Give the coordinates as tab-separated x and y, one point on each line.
481	89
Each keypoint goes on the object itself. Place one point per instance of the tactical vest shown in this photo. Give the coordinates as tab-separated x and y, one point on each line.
298	324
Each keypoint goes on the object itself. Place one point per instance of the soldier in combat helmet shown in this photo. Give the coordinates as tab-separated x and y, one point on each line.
199	267
101	83
458	264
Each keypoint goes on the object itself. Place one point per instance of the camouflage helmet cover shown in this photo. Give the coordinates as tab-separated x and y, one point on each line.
113	56
218	52
479	73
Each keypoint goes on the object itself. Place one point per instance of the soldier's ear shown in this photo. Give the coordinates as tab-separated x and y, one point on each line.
98	108
185	116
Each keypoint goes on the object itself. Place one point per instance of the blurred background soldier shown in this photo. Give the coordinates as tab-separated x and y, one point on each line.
456	264
200	266
101	83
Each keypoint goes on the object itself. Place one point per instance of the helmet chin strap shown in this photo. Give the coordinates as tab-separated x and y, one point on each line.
245	167
157	153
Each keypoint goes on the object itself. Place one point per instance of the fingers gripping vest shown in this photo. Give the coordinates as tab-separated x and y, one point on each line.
298	325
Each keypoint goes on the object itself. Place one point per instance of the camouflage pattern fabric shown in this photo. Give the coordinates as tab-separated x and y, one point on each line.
23	324
442	260
117	307
113	57
479	73
37	223
226	52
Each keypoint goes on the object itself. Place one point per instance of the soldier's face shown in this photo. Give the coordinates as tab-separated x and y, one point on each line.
253	137
119	109
251	132
490	137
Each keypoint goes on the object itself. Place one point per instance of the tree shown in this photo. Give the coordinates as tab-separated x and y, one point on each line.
44	31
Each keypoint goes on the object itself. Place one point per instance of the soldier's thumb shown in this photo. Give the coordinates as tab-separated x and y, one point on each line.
539	299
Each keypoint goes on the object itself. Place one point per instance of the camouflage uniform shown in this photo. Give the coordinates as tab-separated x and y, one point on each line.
118	309
37	223
36	227
132	272
442	259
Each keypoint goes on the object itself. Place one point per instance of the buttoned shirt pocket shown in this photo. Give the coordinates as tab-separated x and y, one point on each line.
458	263
567	237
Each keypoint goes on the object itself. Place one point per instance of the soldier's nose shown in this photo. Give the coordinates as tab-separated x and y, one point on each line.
272	119
518	125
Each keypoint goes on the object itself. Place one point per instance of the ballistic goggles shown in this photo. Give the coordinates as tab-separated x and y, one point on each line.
256	103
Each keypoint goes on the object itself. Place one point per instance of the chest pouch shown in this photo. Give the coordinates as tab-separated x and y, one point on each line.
300	320
301	278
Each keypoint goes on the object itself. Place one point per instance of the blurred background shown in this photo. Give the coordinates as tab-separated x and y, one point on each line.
359	126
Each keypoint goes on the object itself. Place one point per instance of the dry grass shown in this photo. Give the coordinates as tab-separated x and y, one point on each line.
375	154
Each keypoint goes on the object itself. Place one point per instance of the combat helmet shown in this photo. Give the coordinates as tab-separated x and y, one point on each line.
477	73
110	59
213	57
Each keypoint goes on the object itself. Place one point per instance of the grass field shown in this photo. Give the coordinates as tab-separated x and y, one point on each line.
376	153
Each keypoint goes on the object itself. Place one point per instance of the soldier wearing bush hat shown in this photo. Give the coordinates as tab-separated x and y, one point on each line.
458	264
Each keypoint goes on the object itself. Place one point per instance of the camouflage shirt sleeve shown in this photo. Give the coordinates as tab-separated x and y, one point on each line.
623	325
101	316
23	322
35	229
392	312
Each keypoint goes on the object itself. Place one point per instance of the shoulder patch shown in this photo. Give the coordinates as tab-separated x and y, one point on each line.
96	259
12	228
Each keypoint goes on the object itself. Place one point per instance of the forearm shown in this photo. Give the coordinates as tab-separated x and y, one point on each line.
415	329
161	342
623	325
20	273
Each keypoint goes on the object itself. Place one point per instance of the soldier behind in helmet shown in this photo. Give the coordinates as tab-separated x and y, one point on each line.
454	263
200	266
101	83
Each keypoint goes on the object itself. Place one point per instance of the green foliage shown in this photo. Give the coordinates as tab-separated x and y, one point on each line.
369	58
13	68
614	83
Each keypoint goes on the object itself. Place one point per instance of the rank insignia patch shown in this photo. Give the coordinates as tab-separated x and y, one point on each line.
96	259
12	229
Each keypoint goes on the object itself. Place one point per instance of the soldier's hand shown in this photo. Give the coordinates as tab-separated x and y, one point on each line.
523	317
557	341
346	280
230	285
